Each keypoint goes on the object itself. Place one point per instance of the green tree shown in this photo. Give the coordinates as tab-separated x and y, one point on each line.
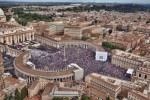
76	98
57	98
108	98
17	95
6	97
11	97
109	45
85	97
66	98
8	17
24	18
24	92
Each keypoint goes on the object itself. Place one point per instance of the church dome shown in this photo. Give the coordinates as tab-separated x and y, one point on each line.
1	12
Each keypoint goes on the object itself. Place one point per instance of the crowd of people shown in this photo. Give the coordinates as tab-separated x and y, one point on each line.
50	58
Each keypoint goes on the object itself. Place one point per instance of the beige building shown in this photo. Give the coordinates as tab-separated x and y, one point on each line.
125	40
36	86
109	86
51	89
2	95
135	95
73	31
127	60
11	84
143	73
11	32
56	28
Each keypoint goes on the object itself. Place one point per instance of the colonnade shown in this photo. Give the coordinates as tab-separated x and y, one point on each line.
10	51
30	78
68	43
16	38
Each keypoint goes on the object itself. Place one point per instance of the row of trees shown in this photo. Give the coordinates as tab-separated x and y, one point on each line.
109	45
60	98
17	95
85	97
126	8
23	18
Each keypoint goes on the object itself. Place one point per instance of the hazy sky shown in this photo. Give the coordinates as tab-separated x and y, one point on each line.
106	1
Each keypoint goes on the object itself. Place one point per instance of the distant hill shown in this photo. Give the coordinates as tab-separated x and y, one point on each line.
97	6
126	8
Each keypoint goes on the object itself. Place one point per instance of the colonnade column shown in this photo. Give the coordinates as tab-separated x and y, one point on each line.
7	40
33	36
15	39
10	40
30	36
23	37
1	40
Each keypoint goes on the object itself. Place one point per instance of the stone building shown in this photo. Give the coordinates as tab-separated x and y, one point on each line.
135	95
127	60
11	32
99	82
73	31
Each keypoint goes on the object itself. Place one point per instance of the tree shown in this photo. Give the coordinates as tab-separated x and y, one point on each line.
85	97
6	97
108	98
76	98
110	31
24	18
11	97
17	95
109	45
8	17
24	92
104	34
57	98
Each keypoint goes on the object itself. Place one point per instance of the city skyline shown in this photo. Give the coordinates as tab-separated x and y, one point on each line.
98	1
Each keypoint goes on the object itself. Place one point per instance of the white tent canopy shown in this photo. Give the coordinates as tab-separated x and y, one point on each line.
130	71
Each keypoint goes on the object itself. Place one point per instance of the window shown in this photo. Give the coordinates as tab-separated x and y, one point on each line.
139	75
145	76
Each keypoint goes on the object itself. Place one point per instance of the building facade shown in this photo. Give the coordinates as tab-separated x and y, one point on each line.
12	33
73	31
96	81
126	60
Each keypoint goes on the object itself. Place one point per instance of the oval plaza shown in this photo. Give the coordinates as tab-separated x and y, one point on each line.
72	71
